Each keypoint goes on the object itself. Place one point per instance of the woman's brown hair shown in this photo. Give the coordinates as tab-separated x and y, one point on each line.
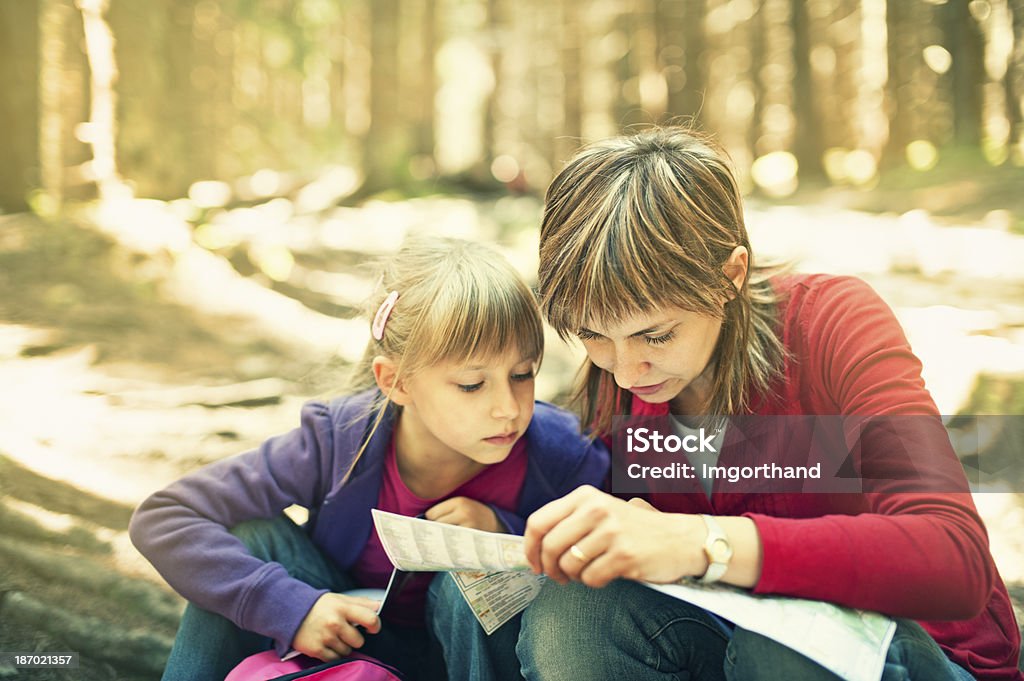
644	221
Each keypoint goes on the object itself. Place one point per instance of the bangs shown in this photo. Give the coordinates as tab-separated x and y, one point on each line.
481	313
631	253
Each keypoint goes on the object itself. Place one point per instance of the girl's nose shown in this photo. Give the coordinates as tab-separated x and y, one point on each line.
505	405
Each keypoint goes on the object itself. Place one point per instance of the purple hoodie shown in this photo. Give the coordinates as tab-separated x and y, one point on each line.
183	529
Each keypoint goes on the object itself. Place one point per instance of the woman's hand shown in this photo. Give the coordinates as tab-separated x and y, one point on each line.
329	630
465	512
593	537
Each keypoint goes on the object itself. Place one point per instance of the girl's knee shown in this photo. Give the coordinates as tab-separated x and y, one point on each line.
445	602
267	538
259	528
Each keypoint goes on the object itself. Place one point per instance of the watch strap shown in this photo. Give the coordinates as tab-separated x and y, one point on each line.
716	568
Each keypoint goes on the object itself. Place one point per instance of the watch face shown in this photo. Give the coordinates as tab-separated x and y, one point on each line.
719	551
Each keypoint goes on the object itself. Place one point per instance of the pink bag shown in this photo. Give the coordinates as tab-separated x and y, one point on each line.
267	666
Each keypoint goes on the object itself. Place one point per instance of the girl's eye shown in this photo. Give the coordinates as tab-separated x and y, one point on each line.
470	388
522	377
658	340
585	334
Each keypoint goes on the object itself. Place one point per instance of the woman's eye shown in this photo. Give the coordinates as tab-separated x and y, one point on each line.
522	377
584	334
658	340
470	388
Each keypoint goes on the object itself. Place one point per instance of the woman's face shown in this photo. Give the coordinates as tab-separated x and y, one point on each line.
655	355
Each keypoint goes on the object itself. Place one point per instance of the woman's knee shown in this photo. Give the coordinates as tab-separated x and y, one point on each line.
914	654
553	638
752	657
624	630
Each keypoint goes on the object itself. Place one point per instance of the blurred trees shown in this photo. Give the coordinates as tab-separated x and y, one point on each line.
19	105
489	91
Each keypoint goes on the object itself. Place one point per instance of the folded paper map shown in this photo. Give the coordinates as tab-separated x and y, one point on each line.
491	571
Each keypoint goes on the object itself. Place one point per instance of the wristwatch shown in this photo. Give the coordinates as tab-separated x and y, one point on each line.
717	549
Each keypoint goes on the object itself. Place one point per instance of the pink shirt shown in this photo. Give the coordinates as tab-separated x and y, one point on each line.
496	485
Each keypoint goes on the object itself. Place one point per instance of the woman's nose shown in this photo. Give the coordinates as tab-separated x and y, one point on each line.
630	368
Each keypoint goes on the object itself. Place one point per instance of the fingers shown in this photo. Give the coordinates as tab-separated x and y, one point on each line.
543	519
341	637
328	654
350	636
445	508
465	512
558	558
365	617
582	554
368	603
331	628
546	540
602	570
641	503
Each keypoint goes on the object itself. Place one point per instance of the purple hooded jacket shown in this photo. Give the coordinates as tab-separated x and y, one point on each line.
183	529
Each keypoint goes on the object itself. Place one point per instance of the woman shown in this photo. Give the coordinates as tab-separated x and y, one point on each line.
645	258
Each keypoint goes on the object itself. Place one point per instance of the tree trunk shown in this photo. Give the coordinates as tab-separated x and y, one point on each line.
690	99
492	109
423	127
807	146
102	127
385	143
1015	81
626	108
573	74
901	55
758	54
19	106
845	82
967	75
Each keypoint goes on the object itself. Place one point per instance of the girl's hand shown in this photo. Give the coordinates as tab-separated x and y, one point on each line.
329	630
593	537
465	512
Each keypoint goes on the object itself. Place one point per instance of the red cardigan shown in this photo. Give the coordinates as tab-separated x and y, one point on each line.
922	556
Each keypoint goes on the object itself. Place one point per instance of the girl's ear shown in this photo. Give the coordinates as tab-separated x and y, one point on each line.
385	373
736	268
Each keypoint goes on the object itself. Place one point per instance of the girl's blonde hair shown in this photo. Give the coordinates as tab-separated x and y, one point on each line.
643	221
457	300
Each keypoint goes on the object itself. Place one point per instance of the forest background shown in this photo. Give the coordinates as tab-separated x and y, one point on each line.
190	191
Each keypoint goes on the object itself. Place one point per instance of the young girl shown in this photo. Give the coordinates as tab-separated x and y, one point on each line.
444	424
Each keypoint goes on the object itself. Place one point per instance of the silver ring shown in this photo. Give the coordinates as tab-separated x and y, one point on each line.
577	553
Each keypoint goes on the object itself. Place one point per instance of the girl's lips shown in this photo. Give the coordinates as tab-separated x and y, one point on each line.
647	389
502	439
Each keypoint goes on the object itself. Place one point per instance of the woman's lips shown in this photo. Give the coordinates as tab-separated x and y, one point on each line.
502	439
647	389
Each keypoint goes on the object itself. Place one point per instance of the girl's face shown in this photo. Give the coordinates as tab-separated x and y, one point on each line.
655	355
478	409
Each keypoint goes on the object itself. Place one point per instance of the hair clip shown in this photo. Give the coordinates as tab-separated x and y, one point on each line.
383	312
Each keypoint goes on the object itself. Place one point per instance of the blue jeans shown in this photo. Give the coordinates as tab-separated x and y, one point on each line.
208	646
628	631
469	653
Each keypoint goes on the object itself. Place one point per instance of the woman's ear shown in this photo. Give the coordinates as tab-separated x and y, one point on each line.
736	268
385	373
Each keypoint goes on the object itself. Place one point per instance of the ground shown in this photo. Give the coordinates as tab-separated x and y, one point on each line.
136	346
